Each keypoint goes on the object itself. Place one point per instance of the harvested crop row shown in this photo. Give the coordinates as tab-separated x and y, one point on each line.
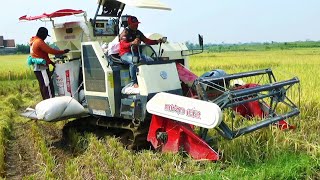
4	133
46	160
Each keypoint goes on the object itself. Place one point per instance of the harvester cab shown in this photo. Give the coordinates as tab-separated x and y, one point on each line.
174	109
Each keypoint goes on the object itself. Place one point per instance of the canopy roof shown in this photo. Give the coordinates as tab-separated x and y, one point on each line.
150	4
59	13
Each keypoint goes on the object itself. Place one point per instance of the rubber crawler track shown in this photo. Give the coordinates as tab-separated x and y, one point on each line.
132	136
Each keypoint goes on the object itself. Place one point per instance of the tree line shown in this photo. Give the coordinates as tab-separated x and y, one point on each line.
25	49
255	46
210	47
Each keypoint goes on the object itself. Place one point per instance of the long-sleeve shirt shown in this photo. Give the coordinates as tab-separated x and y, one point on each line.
39	49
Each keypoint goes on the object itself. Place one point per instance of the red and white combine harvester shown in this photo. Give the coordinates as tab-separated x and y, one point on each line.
174	109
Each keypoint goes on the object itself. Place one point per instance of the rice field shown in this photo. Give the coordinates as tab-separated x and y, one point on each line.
32	149
14	67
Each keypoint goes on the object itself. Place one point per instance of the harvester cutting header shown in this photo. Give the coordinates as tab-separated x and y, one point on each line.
174	109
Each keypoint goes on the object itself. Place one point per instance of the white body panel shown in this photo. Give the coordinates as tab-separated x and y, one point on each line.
192	111
108	76
150	4
172	51
82	31
158	78
71	40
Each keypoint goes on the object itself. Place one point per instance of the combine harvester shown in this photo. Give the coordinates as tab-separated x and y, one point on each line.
175	109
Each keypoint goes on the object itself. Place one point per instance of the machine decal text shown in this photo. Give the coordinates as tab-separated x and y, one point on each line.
190	112
70	37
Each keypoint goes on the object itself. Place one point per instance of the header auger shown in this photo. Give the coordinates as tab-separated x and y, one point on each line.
175	109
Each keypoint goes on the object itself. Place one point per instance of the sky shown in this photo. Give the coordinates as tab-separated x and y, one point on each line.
219	21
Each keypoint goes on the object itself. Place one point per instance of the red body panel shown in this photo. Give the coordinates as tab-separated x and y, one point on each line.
59	13
180	137
253	109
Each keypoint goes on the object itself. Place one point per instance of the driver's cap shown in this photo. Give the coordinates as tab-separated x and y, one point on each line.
133	20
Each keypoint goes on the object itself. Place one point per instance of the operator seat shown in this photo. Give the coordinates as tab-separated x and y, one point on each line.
115	58
112	49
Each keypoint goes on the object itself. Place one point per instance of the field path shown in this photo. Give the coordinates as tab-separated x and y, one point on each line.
20	153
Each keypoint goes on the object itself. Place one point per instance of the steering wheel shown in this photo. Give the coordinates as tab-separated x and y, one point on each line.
144	50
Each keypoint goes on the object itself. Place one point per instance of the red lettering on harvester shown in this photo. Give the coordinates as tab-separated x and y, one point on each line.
68	81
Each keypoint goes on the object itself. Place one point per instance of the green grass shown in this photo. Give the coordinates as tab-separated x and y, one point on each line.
285	166
4	135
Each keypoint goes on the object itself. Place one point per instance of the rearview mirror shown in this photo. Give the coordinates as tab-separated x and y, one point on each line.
164	39
196	50
200	40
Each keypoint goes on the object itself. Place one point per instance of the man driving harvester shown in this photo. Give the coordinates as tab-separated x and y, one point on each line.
132	36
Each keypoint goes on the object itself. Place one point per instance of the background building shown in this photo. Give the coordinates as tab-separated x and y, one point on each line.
7	46
1	42
7	43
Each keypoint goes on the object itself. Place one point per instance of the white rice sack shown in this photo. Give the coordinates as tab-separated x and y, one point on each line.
54	108
81	95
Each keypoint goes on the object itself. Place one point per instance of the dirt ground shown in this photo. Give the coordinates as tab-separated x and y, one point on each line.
22	158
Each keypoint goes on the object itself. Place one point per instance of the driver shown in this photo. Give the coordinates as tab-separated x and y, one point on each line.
129	36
